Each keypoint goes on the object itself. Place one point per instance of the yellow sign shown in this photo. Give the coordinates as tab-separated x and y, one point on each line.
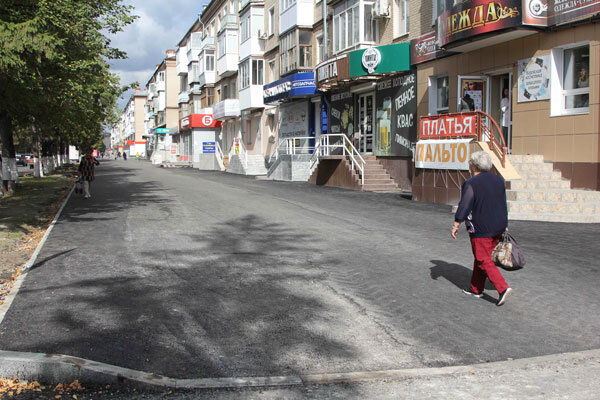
442	154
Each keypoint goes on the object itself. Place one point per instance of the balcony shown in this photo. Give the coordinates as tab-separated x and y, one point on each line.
299	14
229	108
193	74
229	21
183	98
161	118
182	60
206	78
251	97
253	46
207	41
160	86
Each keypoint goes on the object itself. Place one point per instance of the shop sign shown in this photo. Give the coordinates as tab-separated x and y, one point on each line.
161	130
173	149
379	60
333	70
341	113
446	126
208	147
396	115
425	48
442	154
300	84
534	79
475	17
556	12
198	121
293	119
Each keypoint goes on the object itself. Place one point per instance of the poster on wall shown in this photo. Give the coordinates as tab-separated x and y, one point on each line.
293	119
443	154
396	115
341	114
534	79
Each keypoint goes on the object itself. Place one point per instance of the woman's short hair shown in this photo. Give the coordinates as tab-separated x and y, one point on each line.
481	160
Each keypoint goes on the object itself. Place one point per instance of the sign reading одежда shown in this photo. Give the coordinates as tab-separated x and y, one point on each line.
442	154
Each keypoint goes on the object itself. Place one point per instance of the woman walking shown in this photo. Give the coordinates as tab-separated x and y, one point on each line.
483	209
86	171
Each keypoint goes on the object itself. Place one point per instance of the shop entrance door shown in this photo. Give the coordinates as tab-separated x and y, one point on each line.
363	139
501	110
473	92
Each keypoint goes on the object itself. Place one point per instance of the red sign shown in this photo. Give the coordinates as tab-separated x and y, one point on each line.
198	121
425	48
130	143
471	18
555	12
448	126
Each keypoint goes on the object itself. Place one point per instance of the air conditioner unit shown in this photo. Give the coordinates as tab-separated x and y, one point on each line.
381	9
262	35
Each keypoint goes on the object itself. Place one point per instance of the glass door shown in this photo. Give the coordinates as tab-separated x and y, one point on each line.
473	92
363	139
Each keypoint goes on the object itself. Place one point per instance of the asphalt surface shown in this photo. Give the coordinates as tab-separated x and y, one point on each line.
194	274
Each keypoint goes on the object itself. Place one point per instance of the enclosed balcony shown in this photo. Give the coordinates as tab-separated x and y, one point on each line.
227	52
194	45
183	97
295	13
182	60
225	109
251	28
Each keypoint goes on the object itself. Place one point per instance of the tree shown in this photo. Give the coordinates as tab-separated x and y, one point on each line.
54	72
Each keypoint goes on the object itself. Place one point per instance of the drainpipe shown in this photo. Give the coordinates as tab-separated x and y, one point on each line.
324	30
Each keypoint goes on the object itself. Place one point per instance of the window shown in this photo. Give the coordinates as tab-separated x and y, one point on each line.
272	71
401	23
209	60
183	84
257	72
271	22
197	107
285	4
439	6
244	74
161	76
295	51
304	42
221	44
570	86
438	94
245	28
319	50
353	25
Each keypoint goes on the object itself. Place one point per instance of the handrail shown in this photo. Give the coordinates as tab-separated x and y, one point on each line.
242	150
496	142
288	146
325	147
220	156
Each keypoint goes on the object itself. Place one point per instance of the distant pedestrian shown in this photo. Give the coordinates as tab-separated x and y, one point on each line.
86	171
137	156
124	156
483	209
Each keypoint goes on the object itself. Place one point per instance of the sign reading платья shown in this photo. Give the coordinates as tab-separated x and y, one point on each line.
442	154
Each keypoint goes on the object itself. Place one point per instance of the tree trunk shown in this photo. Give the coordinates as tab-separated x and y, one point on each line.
38	171
10	174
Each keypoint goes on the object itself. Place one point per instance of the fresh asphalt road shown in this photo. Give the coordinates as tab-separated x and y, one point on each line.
195	274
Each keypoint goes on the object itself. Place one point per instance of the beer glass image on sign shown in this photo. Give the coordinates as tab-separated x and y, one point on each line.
384	125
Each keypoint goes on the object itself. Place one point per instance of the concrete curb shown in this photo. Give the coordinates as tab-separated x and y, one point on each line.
15	289
54	368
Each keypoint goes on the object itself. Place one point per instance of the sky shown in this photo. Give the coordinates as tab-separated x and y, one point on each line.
160	26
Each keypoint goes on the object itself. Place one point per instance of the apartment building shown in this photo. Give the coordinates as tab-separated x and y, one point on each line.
162	110
133	127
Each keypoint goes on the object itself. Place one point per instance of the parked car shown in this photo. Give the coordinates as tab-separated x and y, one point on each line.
21	159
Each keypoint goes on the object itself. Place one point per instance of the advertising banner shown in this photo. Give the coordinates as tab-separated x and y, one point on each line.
556	12
208	147
442	154
300	84
534	79
341	113
396	115
426	48
293	119
447	126
198	121
475	17
380	59
333	70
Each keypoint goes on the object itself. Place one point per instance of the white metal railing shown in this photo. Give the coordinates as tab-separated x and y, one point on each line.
293	145
338	144
242	153
220	156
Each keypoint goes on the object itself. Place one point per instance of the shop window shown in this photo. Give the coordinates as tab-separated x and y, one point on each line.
438	94
570	85
401	23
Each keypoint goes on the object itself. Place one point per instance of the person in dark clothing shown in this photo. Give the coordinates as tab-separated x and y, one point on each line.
86	171
483	208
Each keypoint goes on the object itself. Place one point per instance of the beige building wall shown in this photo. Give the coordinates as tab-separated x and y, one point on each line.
561	139
172	93
139	114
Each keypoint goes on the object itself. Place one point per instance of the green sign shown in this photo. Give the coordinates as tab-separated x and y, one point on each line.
161	130
381	59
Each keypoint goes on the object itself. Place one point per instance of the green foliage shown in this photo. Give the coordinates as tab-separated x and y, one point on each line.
54	71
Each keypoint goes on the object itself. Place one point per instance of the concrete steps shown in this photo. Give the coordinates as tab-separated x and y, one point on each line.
543	195
376	177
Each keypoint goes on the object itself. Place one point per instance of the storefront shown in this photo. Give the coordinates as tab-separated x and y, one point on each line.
294	109
531	66
199	133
